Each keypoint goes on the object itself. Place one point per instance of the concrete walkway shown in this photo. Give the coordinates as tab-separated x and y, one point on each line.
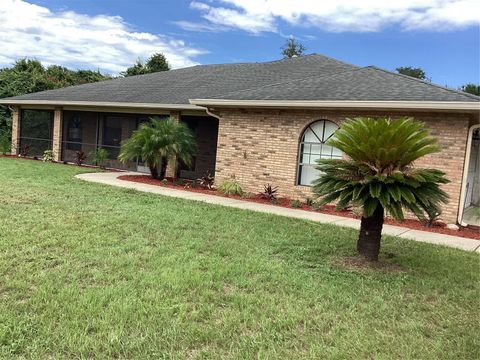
110	178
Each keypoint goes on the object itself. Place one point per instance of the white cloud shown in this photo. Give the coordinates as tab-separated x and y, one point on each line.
78	40
257	16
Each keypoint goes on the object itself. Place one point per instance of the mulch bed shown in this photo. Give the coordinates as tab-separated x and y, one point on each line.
287	203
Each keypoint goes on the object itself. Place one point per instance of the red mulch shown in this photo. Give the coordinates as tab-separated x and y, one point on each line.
284	202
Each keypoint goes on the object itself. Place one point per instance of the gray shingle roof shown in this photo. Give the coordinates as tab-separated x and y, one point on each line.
361	84
311	77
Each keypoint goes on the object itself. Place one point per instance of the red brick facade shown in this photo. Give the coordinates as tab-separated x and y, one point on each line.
261	146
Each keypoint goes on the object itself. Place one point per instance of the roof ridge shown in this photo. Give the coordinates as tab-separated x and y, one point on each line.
290	81
459	92
271	61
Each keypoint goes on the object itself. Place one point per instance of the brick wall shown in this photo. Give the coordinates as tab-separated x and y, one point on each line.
261	146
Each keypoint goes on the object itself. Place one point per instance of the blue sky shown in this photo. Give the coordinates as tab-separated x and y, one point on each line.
440	36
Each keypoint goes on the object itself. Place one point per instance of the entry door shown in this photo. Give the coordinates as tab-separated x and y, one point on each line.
473	176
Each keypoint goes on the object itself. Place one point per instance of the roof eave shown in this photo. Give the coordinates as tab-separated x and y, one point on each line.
120	105
340	104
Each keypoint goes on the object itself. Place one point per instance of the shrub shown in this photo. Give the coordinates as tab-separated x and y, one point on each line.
80	157
269	192
378	174
206	182
47	156
296	204
5	144
230	187
433	214
24	150
99	156
157	143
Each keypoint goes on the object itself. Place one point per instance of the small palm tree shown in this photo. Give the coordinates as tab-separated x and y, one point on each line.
378	175
158	142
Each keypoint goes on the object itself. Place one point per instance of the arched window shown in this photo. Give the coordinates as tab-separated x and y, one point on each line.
313	147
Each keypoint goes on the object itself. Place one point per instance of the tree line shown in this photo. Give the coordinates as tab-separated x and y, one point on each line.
30	75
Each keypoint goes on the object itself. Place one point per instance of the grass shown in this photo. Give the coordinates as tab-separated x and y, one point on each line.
91	271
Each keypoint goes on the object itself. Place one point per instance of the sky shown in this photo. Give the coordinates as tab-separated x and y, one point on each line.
440	36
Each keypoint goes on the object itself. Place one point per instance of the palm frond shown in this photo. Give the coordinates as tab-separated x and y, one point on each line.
379	168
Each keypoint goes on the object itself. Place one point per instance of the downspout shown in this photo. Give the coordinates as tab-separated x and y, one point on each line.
207	110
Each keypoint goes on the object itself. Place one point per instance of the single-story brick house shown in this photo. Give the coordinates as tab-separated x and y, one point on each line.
261	122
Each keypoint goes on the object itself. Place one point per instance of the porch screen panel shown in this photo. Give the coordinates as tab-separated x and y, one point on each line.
36	132
80	129
113	130
313	147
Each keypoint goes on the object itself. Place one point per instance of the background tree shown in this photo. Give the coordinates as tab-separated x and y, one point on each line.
471	89
292	48
378	175
156	62
413	72
158	142
29	75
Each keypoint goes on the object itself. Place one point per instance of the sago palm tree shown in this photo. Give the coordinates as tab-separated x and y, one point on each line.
157	142
378	175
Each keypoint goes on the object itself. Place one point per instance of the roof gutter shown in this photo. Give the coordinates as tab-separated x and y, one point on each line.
101	104
314	104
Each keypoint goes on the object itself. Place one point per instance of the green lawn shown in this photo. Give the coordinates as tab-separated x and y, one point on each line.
91	271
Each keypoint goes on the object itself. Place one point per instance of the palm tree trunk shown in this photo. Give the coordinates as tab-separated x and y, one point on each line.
153	171
368	244
163	168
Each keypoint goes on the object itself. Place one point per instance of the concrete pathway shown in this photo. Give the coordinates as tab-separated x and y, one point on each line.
110	178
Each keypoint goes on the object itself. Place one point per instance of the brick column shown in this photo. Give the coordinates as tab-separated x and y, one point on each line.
15	130
57	134
172	164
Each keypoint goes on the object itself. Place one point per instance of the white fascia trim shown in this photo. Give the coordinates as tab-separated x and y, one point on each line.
421	105
101	104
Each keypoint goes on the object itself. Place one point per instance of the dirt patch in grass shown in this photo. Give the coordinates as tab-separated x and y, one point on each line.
360	264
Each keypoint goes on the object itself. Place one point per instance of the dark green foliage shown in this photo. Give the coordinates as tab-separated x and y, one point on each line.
378	174
159	141
412	72
206	181
296	204
157	62
80	158
230	187
269	192
29	75
5	143
99	156
24	150
433	214
292	48
379	169
471	89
